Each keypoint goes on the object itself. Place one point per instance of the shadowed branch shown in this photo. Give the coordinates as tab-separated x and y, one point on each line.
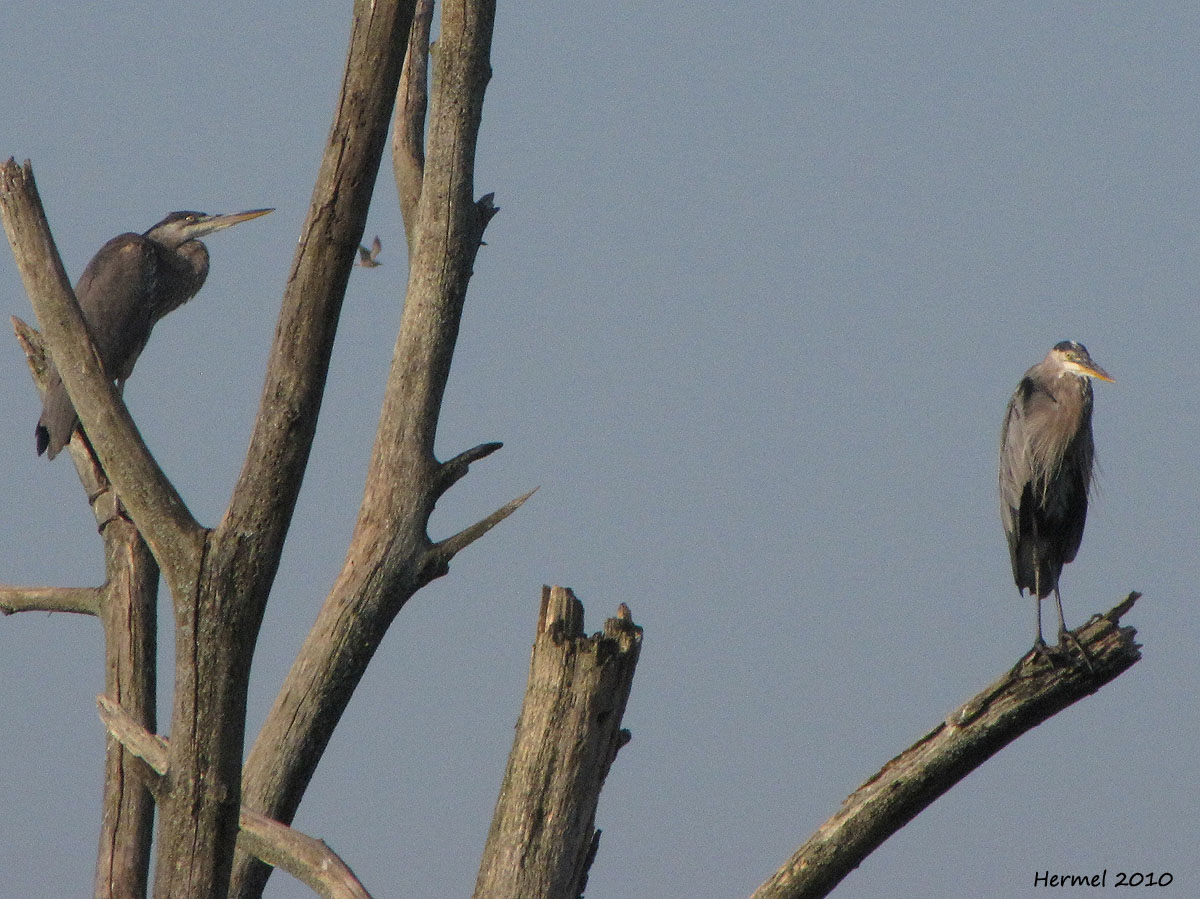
412	102
453	470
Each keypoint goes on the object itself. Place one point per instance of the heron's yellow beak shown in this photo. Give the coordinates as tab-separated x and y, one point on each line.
234	218
1095	371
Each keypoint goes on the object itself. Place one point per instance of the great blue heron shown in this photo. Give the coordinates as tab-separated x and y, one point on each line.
1046	455
128	286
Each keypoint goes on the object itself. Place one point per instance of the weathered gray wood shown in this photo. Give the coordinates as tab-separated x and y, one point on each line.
128	612
391	555
127	608
309	860
543	835
408	126
1023	698
217	627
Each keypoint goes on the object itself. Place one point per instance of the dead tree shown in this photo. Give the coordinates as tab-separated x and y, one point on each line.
219	577
221	826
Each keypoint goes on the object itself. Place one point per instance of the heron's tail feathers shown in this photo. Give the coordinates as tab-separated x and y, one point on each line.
58	420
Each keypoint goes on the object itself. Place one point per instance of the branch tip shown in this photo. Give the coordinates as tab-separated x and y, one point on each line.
444	550
453	470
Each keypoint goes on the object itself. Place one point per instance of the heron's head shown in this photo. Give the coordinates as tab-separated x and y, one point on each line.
1069	356
180	227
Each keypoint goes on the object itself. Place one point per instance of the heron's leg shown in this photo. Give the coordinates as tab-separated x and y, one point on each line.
1039	643
1065	637
1062	624
1050	654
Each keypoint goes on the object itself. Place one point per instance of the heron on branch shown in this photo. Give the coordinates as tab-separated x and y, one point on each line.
128	286
1046	455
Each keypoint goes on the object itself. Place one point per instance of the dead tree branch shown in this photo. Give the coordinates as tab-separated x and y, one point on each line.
81	600
391	555
543	834
129	615
309	860
127	608
1023	698
217	626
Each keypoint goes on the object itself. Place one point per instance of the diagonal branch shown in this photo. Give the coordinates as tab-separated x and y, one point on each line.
309	860
216	633
443	551
453	470
154	505
1017	702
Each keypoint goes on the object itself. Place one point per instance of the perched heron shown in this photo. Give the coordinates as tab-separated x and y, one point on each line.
128	286
1046	454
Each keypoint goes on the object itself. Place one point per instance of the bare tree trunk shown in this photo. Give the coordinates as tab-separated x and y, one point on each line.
219	580
127	608
128	612
543	835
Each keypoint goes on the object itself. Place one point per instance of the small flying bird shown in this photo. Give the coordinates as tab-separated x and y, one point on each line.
370	258
128	286
1046	455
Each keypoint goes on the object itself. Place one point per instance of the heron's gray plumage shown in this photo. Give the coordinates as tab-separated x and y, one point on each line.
131	283
1046	458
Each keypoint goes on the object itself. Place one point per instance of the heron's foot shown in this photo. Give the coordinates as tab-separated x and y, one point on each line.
1067	640
1054	656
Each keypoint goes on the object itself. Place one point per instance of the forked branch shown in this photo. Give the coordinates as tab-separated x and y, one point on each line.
309	860
391	556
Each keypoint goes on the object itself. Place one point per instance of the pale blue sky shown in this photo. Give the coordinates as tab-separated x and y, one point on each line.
760	287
